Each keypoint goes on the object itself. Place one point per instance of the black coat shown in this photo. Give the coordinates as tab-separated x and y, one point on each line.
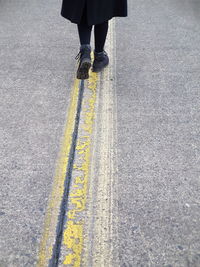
98	11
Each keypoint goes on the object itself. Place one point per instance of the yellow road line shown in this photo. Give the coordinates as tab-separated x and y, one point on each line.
74	230
102	233
51	217
76	248
90	234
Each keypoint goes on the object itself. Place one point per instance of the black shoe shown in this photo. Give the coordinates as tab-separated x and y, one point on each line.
84	62
101	60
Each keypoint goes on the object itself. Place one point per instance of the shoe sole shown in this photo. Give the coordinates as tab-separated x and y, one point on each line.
83	70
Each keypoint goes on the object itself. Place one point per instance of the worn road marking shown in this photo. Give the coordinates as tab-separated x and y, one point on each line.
90	233
53	209
74	230
101	248
88	236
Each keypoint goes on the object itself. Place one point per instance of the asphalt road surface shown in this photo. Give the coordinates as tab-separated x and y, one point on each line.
104	172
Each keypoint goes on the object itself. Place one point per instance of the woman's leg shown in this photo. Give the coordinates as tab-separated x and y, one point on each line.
100	33
84	29
84	33
101	59
84	57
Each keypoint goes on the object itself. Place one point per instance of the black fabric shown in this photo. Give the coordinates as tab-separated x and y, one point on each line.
98	11
100	32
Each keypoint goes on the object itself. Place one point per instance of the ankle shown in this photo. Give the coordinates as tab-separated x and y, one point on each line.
98	51
85	46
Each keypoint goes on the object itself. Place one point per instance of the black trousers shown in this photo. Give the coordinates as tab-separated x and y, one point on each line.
100	32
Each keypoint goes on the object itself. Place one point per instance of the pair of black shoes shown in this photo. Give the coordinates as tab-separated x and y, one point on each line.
101	60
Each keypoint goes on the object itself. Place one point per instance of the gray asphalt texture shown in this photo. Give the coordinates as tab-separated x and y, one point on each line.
37	66
158	68
158	97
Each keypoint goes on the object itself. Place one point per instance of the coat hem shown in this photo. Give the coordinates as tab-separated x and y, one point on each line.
98	22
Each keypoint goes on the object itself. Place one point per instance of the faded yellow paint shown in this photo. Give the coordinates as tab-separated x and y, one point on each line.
101	232
73	235
51	217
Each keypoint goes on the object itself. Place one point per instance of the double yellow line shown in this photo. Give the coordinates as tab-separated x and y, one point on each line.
96	121
58	187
